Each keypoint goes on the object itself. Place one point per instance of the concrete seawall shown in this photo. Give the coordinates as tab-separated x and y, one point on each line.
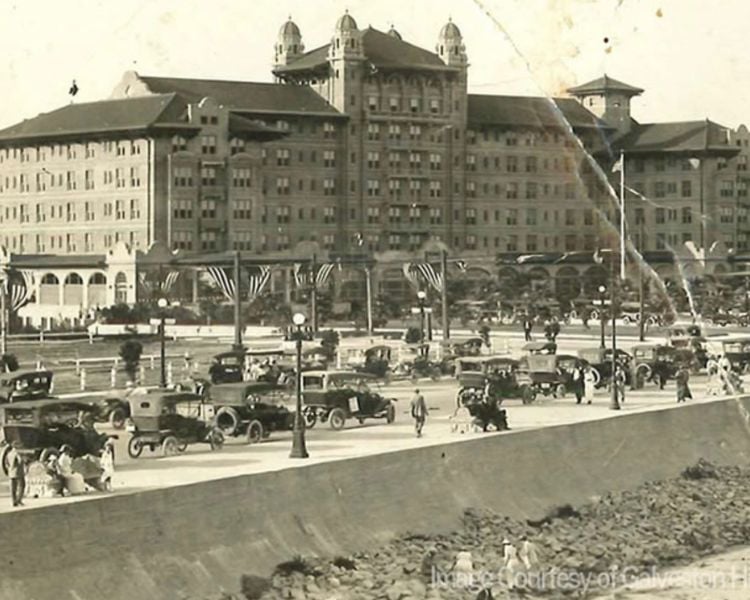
182	542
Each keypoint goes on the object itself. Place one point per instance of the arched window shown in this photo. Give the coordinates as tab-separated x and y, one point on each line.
73	279
50	279
121	288
97	279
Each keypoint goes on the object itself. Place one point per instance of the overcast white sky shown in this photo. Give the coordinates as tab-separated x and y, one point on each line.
689	55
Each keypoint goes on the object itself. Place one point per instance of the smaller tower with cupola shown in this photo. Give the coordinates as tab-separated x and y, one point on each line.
452	51
346	56
289	46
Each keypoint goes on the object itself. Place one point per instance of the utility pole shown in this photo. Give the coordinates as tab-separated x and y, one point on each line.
368	285
314	294
444	295
614	404
237	304
641	291
3	315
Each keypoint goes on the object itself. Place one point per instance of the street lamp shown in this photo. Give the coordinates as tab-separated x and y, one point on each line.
162	304
614	404
421	296
602	292
299	449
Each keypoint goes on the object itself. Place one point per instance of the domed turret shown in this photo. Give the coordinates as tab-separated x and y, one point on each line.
450	46
450	31
393	33
289	44
346	23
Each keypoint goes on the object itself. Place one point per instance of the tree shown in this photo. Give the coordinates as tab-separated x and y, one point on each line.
413	335
329	341
130	353
8	363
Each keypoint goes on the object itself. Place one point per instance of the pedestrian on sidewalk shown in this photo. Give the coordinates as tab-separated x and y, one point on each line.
589	383
17	474
418	412
578	382
528	325
683	387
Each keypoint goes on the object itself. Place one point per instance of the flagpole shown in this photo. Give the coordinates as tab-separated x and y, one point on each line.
622	215
444	294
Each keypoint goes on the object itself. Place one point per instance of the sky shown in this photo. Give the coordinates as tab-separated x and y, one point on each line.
689	55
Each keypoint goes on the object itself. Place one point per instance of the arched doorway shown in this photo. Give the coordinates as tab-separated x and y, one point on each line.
97	290
567	283
49	289
121	288
73	290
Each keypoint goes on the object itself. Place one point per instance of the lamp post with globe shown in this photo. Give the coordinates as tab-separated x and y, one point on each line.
299	450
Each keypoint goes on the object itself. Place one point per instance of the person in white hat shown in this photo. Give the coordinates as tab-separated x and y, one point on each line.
511	565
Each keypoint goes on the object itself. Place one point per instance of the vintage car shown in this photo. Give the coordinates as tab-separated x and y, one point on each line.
496	375
170	420
539	348
41	427
600	360
539	375
414	362
657	363
252	409
25	385
737	350
336	396
377	361
227	367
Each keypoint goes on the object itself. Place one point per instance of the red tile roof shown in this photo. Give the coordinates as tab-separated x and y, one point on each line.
246	96
380	49
690	137
107	116
529	111
604	84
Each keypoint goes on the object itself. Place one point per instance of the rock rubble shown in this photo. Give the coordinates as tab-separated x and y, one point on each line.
583	551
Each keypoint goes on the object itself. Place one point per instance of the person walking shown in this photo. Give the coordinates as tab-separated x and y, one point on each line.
511	564
17	474
528	325
578	385
589	383
418	412
529	554
683	387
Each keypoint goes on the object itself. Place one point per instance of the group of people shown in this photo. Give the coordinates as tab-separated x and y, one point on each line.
551	328
517	561
722	379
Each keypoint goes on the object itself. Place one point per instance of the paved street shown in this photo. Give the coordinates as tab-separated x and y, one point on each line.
198	463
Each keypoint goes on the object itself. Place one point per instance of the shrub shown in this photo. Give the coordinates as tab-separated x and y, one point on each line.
413	335
8	363
253	586
329	341
296	565
130	353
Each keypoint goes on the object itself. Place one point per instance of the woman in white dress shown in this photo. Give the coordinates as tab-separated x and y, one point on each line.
589	382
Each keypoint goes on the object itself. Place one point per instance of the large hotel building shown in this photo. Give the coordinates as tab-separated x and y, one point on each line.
365	145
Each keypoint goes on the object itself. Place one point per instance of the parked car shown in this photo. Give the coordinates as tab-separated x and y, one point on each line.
600	360
475	373
25	385
251	409
655	362
42	427
227	367
737	350
170	421
335	396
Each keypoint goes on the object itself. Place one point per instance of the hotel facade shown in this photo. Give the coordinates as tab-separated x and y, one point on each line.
367	146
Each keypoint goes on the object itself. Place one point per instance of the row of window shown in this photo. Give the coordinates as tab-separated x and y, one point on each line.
71	211
70	242
69	180
72	151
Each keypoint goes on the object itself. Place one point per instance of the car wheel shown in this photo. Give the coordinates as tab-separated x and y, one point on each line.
182	447
6	460
594	315
337	419
216	439
626	320
560	390
597	376
643	371
117	418
435	374
390	414
170	446
311	417
135	447
254	432
227	420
